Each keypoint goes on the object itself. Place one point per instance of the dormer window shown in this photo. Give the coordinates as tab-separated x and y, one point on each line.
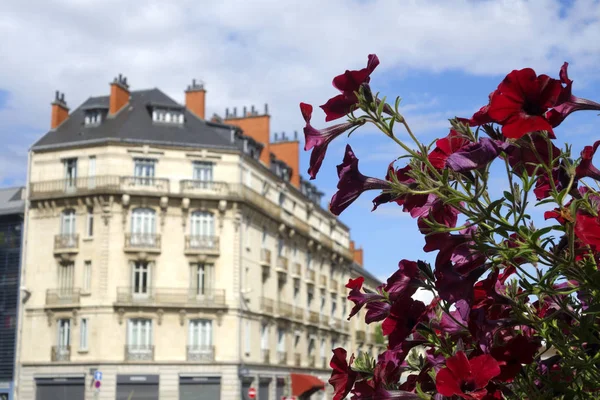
167	116
94	116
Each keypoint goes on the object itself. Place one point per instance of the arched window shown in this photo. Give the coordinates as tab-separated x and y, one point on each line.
202	224
143	226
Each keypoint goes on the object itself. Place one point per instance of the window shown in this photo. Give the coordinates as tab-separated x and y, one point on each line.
93	117
248	177
247	240
143	227
344	309
296	290
201	279
87	276
203	173
67	223
201	335
83	334
92	171
90	223
66	273
311	346
281	199
70	167
264	237
280	247
264	337
296	340
144	171
141	279
323	301
139	336
323	348
167	116
64	333
202	224
310	294
247	338
333	306
309	263
280	340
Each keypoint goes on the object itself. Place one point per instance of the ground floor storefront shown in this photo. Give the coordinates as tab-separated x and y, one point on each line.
153	381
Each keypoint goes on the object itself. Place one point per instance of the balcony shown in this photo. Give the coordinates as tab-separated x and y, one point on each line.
201	353
144	185
77	186
298	313
142	242
191	187
361	336
201	244
66	244
171	297
310	276
313	317
265	257
60	353
297	359
297	270
63	297
333	286
312	361
323	281
139	352
266	356
284	310
282	265
267	306
324	362
343	289
336	324
281	358
324	319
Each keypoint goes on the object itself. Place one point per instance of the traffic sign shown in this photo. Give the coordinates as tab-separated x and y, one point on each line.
252	393
97	376
97	384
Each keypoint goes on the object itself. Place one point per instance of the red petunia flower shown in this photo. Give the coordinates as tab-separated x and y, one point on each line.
348	83
467	378
342	377
587	229
359	298
585	167
352	183
517	351
318	140
521	101
446	147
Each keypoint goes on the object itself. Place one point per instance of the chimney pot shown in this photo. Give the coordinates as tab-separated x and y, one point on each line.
235	111
62	98
252	109
244	112
57	95
227	113
266	109
193	83
275	136
295	135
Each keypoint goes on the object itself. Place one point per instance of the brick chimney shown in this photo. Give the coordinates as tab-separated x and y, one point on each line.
357	253
119	94
288	150
60	111
257	126
195	99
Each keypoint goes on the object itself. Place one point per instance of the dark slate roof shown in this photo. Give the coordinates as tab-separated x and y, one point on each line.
11	201
133	124
360	270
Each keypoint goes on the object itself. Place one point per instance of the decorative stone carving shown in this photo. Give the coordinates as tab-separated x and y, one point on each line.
160	312
121	313
185	210
292	233
219	314
75	312
281	228
182	314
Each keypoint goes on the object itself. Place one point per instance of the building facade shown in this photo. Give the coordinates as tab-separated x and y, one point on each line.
12	208
179	257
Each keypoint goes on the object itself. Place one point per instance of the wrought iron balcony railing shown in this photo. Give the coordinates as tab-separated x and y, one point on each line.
61	353
200	353
282	264
142	242
66	242
267	305
139	352
297	359
266	356
265	257
282	357
201	243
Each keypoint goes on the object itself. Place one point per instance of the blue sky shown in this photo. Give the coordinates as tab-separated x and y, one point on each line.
442	57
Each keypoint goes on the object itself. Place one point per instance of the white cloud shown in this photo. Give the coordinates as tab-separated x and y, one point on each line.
252	52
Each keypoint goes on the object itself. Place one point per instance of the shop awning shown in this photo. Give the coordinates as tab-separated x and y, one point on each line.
304	384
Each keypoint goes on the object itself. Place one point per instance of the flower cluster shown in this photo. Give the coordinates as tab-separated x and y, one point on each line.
515	307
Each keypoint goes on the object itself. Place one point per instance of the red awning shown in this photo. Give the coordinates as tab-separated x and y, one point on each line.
303	384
